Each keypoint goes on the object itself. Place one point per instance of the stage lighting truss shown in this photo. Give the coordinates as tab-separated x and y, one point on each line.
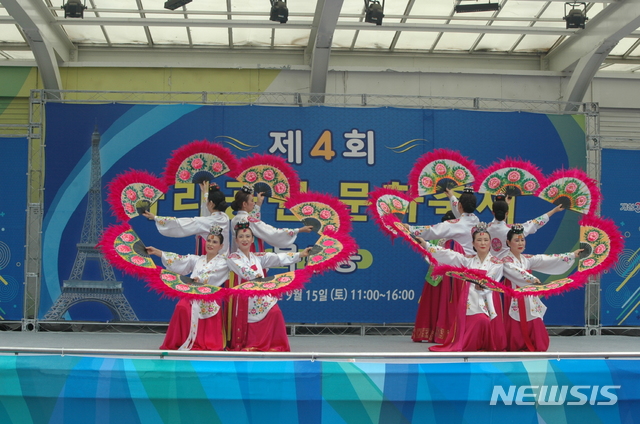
279	11
476	7
577	15
374	11
74	9
174	4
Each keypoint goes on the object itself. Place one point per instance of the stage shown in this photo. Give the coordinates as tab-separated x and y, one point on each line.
82	377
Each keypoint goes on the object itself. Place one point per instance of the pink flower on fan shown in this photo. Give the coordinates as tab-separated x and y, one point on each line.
251	176
581	201
317	258
330	250
600	249
268	175
552	192
269	285
197	163
123	248
328	243
137	260
440	169
127	237
204	289
460	174
513	176
184	175
307	210
530	185
592	236
325	214
385	208
148	192
280	188
217	167
168	277
571	187
330	227
284	279
248	285
494	183
426	182
129	208
397	204
182	287
131	195
588	262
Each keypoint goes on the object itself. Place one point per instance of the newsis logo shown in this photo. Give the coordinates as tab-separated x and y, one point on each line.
630	207
555	395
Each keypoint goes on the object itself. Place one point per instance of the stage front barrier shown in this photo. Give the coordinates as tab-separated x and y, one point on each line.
75	389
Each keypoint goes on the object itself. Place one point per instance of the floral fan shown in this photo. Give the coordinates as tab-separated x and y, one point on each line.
602	243
572	189
324	212
272	285
384	202
133	192
174	285
509	177
475	276
124	249
330	250
438	170
271	170
199	161
548	288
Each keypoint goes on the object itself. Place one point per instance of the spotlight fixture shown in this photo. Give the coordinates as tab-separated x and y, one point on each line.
476	7
73	9
174	4
374	11
577	15
279	11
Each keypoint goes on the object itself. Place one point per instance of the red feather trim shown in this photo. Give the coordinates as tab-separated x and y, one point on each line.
524	165
579	279
579	174
302	277
106	245
342	210
132	176
437	154
372	208
615	237
390	220
349	247
275	161
200	146
477	274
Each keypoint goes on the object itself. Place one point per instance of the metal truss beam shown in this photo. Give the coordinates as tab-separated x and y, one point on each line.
328	18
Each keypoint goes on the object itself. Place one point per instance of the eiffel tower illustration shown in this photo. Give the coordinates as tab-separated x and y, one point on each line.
107	291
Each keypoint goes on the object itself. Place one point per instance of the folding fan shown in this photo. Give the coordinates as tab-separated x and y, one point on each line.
438	170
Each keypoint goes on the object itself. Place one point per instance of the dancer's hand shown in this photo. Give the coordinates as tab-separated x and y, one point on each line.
148	215
576	253
260	197
305	252
306	229
153	251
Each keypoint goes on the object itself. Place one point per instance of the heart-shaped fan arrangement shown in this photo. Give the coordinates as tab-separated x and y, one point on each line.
133	192
444	169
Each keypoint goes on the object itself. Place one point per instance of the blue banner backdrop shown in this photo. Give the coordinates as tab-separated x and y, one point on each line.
318	142
621	286
13	163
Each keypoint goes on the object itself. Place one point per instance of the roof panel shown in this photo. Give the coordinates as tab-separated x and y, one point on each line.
416	40
11	34
85	34
210	36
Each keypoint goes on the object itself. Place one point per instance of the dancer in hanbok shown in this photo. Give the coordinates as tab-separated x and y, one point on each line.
197	324
212	212
248	210
499	227
262	327
456	229
478	324
524	324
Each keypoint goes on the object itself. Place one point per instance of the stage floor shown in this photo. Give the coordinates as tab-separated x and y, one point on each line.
373	346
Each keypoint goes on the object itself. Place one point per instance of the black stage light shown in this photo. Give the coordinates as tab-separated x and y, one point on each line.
374	11
174	4
73	9
279	11
577	15
476	7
